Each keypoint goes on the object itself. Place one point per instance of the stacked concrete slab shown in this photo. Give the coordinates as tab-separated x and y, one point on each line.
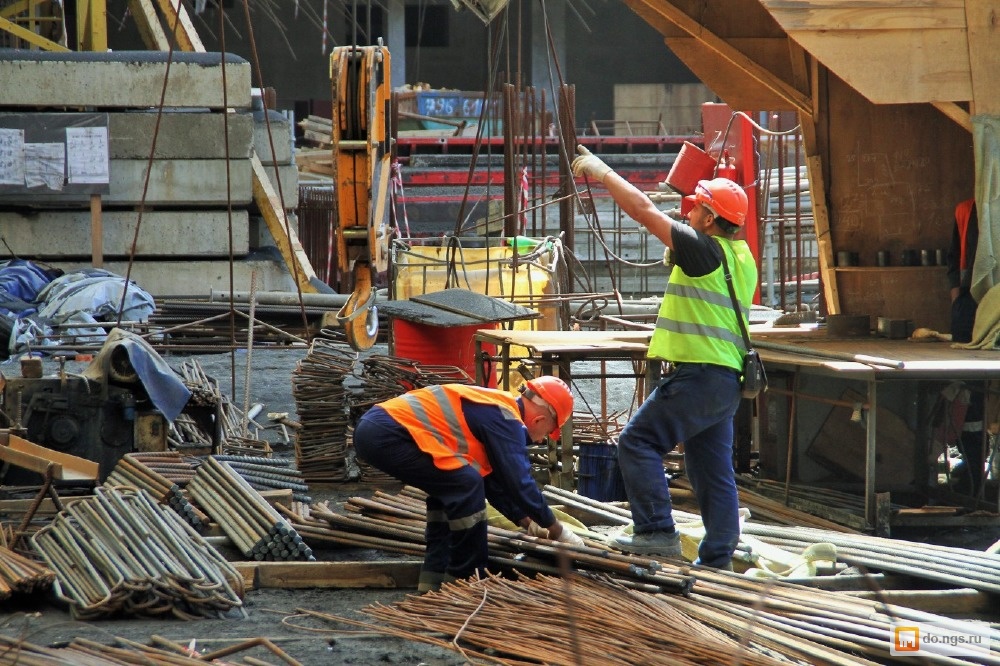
195	210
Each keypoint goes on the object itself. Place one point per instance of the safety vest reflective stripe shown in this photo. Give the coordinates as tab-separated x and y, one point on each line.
703	330
433	417
707	295
468	521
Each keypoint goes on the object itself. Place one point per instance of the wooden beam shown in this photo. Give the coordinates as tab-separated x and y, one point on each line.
726	52
984	55
148	23
179	22
284	235
824	241
956	113
391	574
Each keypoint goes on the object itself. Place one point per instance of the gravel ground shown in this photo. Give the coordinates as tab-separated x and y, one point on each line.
271	611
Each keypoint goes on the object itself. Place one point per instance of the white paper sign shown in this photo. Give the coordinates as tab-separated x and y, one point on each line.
87	155
45	165
11	157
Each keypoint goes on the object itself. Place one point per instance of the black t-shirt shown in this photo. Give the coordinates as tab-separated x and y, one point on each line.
696	254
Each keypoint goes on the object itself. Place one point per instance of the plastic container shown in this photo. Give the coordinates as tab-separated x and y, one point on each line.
599	476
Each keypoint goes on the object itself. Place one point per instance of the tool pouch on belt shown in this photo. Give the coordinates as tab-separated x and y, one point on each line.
754	378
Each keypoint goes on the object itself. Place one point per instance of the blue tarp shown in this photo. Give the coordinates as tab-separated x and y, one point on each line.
20	283
34	299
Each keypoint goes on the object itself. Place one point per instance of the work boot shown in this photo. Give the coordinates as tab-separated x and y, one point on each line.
666	544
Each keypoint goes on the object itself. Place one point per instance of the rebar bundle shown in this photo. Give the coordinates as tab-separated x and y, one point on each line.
320	400
236	432
553	621
171	465
121	552
269	474
20	575
257	530
133	472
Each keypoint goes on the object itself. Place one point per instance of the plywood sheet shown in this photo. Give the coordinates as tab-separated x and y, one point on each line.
841	444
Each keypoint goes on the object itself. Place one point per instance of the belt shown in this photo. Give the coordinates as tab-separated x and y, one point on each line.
673	367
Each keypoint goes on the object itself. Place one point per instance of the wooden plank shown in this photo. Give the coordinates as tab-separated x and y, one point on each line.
899	67
984	55
867	15
37	458
841	443
340	575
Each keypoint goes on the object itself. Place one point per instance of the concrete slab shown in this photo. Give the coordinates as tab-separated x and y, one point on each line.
281	133
123	79
171	183
196	278
181	134
66	234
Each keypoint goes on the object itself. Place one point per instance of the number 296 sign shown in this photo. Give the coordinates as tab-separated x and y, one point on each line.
450	105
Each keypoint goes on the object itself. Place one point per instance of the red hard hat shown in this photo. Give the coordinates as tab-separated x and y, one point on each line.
556	395
724	198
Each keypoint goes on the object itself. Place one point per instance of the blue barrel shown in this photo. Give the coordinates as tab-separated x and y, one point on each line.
599	477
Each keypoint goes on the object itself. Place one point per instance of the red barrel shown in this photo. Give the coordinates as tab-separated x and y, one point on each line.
442	345
691	165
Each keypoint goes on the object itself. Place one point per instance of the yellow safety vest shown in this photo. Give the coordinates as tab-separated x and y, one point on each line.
433	416
696	322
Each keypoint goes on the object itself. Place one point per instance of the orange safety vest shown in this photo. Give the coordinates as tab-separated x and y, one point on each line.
963	213
433	417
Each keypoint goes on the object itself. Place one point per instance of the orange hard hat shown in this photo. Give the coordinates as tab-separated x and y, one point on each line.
556	395
724	198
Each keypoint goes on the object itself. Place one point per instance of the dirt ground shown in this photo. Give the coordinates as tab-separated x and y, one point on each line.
272	612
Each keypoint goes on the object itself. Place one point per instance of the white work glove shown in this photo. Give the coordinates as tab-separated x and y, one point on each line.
590	165
570	537
536	530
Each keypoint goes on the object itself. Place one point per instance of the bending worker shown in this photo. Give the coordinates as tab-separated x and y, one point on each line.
464	445
698	333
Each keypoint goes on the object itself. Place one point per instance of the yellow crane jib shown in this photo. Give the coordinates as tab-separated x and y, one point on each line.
362	151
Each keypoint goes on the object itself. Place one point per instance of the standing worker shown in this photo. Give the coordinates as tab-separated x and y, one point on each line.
968	474
698	334
464	445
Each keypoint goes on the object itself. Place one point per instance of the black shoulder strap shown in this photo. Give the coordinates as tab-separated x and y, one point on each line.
736	304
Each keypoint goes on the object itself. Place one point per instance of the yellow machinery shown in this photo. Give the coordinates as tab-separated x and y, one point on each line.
362	147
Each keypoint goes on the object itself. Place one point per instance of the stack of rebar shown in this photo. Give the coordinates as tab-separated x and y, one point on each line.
320	400
787	621
254	527
170	464
133	472
20	575
269	474
122	552
236	432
